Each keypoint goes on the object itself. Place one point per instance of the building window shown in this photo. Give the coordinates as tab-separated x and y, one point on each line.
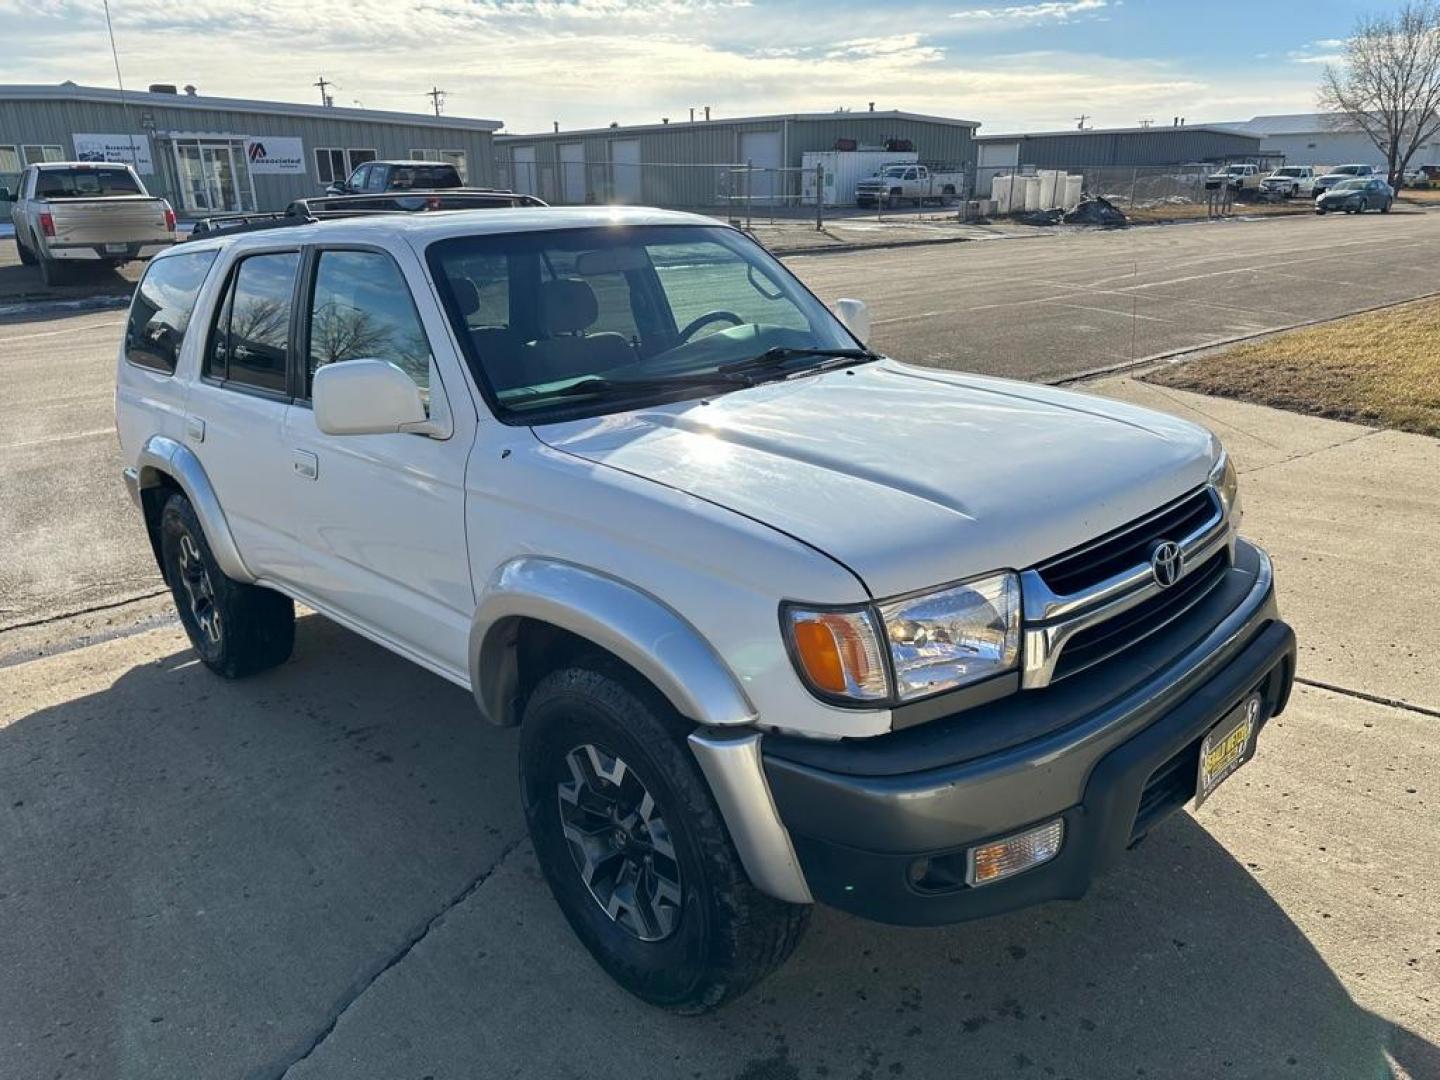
9	160
450	157
34	155
335	163
457	158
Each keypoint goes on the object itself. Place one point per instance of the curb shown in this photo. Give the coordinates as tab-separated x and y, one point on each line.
1175	354
82	303
884	245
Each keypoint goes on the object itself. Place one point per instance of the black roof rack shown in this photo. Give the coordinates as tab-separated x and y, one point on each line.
331	207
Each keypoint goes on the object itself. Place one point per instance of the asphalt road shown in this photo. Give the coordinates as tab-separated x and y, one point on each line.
1047	307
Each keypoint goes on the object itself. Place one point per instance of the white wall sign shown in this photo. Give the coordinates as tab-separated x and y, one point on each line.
132	149
274	155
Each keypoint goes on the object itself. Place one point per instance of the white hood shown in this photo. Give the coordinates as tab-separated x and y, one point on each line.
910	477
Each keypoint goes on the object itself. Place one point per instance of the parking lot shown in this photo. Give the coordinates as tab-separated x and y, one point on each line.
322	872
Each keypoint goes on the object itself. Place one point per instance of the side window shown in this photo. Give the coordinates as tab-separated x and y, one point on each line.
161	310
249	345
359	177
361	309
378	173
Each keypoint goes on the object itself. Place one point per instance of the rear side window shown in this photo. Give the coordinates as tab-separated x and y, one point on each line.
362	310
161	310
250	343
84	183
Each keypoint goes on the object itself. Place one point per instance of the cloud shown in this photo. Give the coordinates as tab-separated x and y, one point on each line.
1322	51
1052	11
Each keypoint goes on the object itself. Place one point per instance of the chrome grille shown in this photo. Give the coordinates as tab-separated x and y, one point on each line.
1127	546
1099	599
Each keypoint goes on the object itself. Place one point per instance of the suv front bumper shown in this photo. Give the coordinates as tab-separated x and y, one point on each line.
870	823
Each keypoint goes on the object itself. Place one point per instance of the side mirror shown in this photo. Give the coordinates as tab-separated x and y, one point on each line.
367	397
337	188
856	318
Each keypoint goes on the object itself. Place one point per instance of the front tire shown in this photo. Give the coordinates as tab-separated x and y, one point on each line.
634	848
238	629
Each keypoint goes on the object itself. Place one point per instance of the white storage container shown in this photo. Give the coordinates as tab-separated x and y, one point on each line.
1008	193
843	168
1074	186
1047	189
1032	193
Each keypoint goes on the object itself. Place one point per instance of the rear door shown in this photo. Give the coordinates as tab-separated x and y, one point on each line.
380	519
236	409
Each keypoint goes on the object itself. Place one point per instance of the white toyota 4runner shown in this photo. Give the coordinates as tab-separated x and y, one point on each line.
781	620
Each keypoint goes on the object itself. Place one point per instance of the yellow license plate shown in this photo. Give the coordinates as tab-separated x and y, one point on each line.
1226	747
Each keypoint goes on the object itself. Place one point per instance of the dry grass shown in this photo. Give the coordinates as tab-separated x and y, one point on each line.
1419	196
1192	211
1382	368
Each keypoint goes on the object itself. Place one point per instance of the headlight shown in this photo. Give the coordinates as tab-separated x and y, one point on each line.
1226	483
937	641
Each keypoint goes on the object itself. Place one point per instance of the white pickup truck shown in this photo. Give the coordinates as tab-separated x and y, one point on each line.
781	620
1238	178
80	211
904	182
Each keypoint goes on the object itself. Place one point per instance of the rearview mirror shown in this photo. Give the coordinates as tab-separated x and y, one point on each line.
856	318
367	397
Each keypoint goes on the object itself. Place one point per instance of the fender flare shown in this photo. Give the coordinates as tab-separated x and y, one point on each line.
162	456
624	620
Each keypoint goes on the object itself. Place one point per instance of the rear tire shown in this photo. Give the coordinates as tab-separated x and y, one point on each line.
238	629
657	895
27	257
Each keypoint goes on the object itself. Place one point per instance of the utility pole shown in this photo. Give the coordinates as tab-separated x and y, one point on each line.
322	83
1080	121
1145	123
436	95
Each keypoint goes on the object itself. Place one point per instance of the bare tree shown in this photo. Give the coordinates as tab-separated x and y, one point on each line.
1388	83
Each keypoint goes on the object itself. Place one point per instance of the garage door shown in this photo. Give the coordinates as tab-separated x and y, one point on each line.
762	150
525	179
572	172
625	180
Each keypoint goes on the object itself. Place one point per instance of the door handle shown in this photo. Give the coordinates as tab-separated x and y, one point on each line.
195	429
305	464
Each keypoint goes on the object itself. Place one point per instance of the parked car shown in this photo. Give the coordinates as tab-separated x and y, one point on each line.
909	182
1290	181
78	211
376	176
1341	174
1415	177
1238	178
1355	196
781	620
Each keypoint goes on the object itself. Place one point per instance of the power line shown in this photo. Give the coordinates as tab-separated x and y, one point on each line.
120	82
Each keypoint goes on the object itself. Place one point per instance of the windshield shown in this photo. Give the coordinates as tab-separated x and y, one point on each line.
1351	185
1287	172
894	170
84	183
541	313
1350	170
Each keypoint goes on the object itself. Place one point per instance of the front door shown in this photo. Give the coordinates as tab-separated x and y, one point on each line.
213	176
380	519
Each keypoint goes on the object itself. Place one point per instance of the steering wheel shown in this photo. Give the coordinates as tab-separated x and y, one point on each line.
706	319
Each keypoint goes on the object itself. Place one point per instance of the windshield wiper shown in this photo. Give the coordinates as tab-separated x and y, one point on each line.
780	355
599	386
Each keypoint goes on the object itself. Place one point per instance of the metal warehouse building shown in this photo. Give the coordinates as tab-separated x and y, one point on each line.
1313	139
1098	148
706	163
208	155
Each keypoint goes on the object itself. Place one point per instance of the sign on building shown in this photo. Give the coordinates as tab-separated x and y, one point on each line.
131	149
275	155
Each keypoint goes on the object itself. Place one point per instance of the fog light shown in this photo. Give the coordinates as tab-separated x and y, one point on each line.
1004	858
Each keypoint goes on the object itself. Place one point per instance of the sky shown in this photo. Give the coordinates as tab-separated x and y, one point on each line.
1031	65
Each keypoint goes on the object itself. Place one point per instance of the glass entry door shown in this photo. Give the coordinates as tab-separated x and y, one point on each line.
213	176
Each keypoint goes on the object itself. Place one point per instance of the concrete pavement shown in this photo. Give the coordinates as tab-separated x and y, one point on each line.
321	872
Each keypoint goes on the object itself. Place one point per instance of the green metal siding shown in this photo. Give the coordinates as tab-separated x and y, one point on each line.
1105	149
692	164
54	122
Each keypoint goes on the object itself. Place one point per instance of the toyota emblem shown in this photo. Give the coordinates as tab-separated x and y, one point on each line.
1167	563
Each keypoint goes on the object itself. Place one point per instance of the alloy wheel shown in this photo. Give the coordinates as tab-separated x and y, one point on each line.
620	843
195	579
